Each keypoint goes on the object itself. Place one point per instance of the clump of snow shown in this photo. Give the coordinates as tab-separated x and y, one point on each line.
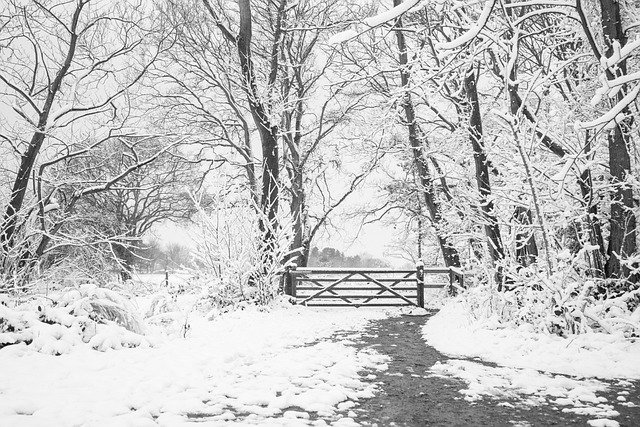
603	422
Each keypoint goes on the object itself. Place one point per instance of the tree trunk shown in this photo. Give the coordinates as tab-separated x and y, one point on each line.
593	229
492	230
303	258
124	255
622	240
268	132
19	190
526	247
298	207
28	159
416	138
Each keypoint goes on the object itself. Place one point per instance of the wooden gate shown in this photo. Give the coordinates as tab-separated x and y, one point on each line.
370	287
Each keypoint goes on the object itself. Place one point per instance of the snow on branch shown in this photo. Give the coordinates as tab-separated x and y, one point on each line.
613	115
375	21
541	3
611	86
539	12
390	14
343	36
473	31
619	54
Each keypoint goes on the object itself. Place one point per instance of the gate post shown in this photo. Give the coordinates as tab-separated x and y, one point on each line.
455	276
420	283
289	286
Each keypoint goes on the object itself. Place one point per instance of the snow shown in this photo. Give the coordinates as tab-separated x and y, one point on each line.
603	422
454	332
619	54
342	37
243	367
472	32
393	13
615	114
533	368
374	21
546	11
527	387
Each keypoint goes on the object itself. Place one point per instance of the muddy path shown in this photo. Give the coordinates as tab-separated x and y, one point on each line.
409	395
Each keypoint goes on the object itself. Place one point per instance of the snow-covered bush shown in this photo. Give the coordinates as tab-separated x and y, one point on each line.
102	318
235	262
564	303
161	303
165	312
102	306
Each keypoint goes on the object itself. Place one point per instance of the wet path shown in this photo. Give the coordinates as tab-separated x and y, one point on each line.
410	396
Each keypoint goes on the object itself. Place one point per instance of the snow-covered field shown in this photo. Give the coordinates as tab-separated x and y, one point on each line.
247	367
535	367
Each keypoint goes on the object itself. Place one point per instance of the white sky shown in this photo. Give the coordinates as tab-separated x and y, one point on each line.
373	239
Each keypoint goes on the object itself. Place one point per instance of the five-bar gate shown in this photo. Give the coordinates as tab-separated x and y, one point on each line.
371	287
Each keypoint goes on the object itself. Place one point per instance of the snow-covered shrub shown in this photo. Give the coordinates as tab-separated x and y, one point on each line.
102	306
77	266
165	313
161	303
99	317
235	263
564	303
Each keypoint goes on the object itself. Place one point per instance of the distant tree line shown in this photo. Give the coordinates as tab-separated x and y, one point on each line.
332	257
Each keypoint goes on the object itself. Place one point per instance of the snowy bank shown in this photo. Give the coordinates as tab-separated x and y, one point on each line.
454	332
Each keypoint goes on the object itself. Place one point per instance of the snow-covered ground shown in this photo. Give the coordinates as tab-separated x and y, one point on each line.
247	367
535	367
453	331
277	367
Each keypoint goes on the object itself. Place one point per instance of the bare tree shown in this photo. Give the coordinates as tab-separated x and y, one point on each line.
203	93
66	71
259	106
315	112
158	192
622	236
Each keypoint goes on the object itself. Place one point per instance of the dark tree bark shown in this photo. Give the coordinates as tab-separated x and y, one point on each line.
594	230
492	230
622	240
28	158
125	257
267	131
526	247
416	139
298	211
